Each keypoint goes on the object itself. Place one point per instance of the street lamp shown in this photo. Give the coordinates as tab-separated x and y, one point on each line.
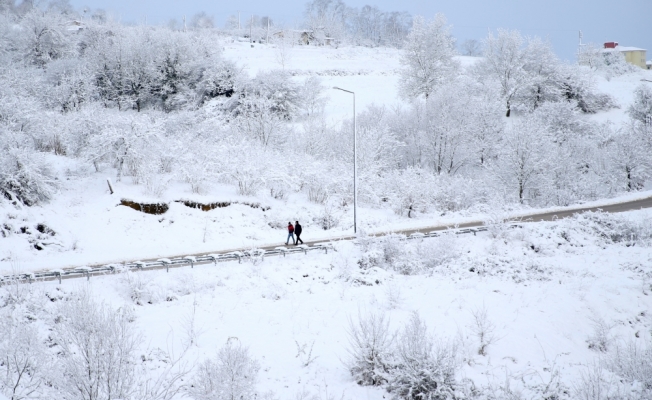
355	165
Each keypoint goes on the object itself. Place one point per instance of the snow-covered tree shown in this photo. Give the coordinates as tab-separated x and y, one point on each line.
591	56
231	375
487	124
504	59
258	120
201	20
376	143
327	16
70	85
97	350
471	47
631	160
408	191
44	37
523	162
449	127
578	85
312	100
427	58
128	144
24	361
641	109
542	67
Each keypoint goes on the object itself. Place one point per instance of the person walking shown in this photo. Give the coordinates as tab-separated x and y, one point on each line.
297	231
290	234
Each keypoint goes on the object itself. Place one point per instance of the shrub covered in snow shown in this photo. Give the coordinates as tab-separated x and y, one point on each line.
371	346
425	368
615	228
231	375
25	175
633	362
396	253
614	64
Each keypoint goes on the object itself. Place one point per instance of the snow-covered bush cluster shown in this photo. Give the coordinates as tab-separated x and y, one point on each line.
449	255
394	253
411	363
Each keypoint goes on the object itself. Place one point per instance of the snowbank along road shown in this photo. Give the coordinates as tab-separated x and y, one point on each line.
232	254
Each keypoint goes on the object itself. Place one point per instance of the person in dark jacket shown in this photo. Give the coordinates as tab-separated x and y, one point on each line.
290	234
297	231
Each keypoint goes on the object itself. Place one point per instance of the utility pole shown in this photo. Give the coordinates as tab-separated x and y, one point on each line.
267	38
239	20
251	27
184	23
579	49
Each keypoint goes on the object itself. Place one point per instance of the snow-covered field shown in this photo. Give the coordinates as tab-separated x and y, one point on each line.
554	299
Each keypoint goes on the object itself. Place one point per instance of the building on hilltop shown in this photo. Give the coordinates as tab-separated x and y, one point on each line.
306	37
74	26
633	55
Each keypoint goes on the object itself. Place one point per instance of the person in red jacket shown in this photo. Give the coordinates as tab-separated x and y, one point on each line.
290	234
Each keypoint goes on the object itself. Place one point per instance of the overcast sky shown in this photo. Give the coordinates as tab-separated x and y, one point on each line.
628	22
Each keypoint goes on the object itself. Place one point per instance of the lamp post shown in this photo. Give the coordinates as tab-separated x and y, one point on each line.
355	165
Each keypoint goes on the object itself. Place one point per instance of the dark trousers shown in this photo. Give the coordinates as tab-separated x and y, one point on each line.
298	238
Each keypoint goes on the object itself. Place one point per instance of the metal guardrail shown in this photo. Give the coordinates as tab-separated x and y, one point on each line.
195	260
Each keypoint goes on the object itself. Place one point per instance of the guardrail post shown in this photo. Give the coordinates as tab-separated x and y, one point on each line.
191	259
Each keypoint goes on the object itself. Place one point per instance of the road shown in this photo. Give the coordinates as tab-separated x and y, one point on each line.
545	216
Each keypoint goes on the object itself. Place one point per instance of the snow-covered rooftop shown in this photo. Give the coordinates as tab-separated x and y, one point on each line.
624	48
